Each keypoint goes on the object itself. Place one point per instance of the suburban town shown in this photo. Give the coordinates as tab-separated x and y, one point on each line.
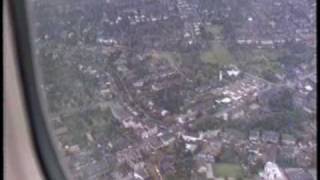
179	89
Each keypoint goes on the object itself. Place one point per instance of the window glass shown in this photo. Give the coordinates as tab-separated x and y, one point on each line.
179	89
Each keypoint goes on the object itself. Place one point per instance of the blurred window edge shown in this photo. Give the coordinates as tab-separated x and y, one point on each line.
29	152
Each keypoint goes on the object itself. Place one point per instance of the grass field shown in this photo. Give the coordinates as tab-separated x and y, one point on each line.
218	54
258	60
228	170
216	30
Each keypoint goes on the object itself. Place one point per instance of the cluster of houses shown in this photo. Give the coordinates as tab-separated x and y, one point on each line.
154	138
283	22
306	89
206	146
273	172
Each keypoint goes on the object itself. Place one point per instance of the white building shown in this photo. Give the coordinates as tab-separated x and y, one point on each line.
272	172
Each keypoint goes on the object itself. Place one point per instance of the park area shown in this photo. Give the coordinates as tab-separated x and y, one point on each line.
228	170
217	54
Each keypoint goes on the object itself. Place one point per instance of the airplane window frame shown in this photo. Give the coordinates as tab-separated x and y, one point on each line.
42	142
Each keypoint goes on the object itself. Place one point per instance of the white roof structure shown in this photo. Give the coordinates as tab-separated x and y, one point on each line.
233	72
191	147
164	112
136	175
272	172
226	100
308	88
187	34
138	84
180	120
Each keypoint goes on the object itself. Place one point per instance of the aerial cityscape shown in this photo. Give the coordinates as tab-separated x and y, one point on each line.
179	89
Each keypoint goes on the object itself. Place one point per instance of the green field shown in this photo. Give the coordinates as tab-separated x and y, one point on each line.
218	54
228	170
259	60
216	30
